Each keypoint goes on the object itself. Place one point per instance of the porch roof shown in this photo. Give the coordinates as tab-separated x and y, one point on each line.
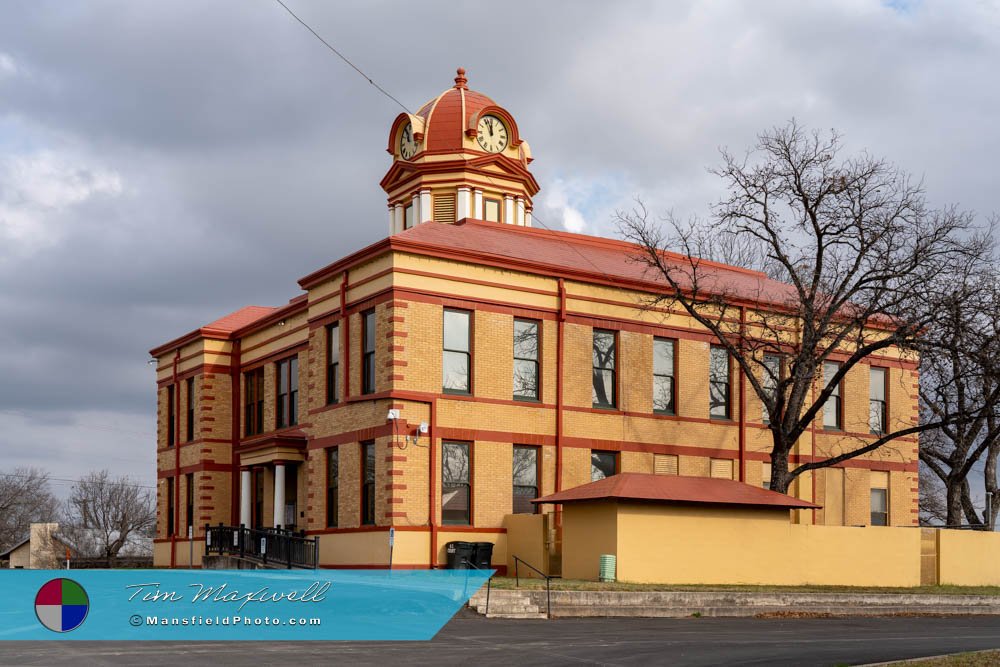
646	487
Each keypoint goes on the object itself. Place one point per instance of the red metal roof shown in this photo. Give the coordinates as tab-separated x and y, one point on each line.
565	252
675	489
240	318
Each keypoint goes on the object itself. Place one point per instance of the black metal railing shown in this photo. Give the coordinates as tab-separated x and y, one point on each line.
548	580
489	582
274	546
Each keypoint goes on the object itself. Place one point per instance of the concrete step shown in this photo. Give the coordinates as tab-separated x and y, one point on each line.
635	611
525	615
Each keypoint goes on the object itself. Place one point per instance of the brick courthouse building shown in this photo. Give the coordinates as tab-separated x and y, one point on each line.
518	362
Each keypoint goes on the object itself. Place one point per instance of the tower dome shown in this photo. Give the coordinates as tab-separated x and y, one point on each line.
459	156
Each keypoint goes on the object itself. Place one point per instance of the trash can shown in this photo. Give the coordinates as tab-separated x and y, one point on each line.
608	563
483	555
458	553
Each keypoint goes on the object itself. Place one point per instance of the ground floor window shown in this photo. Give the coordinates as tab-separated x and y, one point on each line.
880	507
368	483
332	486
456	506
603	464
525	476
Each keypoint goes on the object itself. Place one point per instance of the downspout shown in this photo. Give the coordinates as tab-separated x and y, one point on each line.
345	335
234	374
177	460
560	348
743	399
431	518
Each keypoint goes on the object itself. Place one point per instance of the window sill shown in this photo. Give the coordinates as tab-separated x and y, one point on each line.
456	392
722	419
833	428
599	406
525	399
665	413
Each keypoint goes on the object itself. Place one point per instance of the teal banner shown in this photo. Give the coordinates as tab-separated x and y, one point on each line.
220	605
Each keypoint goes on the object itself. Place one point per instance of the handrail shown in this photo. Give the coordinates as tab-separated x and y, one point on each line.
279	545
548	579
489	582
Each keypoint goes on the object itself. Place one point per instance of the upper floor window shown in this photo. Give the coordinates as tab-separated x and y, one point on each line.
368	483
253	402
603	464
457	356
491	210
456	506
332	363
525	477
171	418
876	404
170	506
718	383
663	375
332	486
832	408
189	391
288	392
605	370
772	373
368	352
526	337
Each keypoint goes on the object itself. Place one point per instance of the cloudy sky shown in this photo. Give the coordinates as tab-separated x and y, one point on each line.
162	164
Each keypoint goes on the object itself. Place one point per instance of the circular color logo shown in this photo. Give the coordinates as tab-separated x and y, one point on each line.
61	605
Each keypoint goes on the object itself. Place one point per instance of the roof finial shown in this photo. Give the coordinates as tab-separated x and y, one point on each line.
460	80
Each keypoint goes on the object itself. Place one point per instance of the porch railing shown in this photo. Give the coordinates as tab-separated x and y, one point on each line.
275	546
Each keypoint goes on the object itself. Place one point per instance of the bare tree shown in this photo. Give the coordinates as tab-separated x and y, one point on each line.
25	498
960	386
105	514
852	262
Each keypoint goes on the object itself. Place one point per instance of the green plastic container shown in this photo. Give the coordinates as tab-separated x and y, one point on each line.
608	563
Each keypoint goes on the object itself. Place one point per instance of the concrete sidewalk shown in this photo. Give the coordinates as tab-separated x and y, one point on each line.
527	604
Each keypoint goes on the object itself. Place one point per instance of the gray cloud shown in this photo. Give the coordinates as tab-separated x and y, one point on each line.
162	164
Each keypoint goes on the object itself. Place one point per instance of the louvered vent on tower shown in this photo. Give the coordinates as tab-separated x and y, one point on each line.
444	208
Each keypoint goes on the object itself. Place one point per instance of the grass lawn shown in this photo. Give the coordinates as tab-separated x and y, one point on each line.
976	659
580	585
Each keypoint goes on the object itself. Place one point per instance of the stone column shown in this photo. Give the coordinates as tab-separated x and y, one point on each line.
527	218
426	214
477	204
245	497
416	209
279	493
397	215
520	211
392	220
462	207
508	209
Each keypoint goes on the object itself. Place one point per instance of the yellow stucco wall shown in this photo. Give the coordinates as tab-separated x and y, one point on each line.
968	558
688	545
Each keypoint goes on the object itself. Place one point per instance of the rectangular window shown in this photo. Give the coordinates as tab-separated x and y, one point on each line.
170	506
189	390
718	383
288	392
253	402
663	375
765	476
368	352
332	486
368	483
604	369
408	216
171	417
457	356
456	490
491	210
526	345
525	479
880	507
832	408
603	464
772	373
720	468
332	363
189	506
876	404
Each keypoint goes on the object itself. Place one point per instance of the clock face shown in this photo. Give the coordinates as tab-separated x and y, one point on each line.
407	145
491	134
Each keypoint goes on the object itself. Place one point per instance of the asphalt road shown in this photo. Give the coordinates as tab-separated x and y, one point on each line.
472	641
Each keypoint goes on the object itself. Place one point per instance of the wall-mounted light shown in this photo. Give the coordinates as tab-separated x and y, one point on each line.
281	323
151	362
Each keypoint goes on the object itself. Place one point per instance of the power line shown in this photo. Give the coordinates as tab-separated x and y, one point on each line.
342	56
63	480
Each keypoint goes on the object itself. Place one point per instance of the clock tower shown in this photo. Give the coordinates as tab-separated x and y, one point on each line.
460	156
